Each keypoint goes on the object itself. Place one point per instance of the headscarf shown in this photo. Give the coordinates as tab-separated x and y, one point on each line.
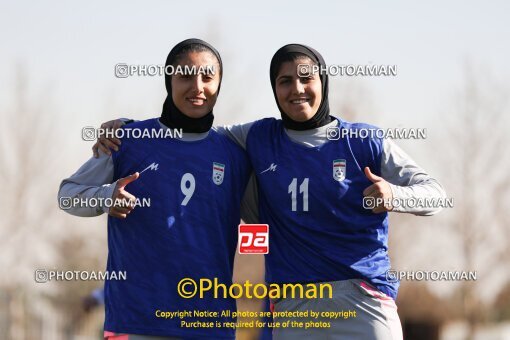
284	54
171	115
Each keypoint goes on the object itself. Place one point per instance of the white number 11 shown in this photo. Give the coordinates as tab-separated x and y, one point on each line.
303	189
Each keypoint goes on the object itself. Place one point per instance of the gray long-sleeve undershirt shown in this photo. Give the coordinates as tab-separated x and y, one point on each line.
407	180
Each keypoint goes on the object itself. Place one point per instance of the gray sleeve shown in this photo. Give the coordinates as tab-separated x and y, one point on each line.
238	133
407	180
250	202
92	180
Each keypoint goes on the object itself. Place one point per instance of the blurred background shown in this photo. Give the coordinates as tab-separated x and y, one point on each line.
57	69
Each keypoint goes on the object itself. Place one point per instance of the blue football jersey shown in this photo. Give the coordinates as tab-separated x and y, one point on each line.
312	199
189	231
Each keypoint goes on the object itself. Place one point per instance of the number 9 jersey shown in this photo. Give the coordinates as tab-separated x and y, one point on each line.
189	230
312	199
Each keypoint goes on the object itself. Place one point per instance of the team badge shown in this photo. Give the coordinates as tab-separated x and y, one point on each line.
217	173
339	169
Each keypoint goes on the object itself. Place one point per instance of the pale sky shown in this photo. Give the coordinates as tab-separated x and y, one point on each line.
75	47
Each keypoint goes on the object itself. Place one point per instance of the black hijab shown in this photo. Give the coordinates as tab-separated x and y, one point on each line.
284	54
171	115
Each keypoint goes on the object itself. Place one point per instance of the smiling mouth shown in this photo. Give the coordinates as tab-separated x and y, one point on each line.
196	101
300	101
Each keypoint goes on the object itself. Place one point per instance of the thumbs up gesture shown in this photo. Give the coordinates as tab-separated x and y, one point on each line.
380	189
123	200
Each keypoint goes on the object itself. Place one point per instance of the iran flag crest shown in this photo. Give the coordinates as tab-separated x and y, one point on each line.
218	172
339	168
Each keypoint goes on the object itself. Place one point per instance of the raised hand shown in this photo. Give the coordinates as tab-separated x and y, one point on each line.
380	190
123	200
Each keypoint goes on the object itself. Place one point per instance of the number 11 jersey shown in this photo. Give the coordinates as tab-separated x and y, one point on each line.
312	199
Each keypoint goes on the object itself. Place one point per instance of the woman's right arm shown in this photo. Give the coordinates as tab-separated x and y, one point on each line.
238	132
106	144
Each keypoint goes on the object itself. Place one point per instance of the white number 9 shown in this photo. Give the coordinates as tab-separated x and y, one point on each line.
187	189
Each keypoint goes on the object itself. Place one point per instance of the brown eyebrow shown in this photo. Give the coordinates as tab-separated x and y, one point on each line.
284	77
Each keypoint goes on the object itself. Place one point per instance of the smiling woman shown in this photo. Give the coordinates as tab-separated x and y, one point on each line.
195	184
191	97
195	93
302	99
299	96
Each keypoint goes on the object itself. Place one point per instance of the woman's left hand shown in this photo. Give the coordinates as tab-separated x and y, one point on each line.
380	193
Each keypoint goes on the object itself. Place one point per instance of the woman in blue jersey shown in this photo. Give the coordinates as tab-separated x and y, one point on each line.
316	194
312	198
194	186
318	180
